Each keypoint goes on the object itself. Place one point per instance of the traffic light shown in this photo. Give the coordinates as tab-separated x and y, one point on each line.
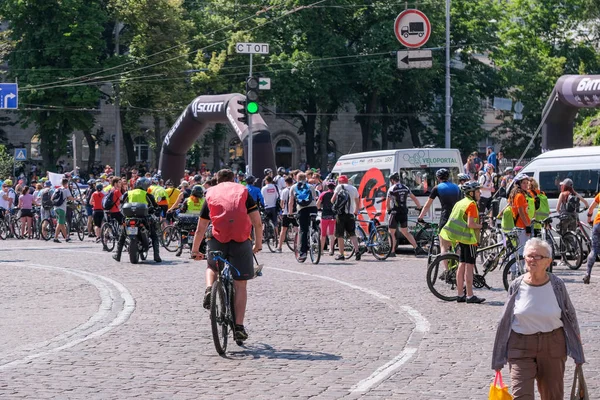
252	95
242	111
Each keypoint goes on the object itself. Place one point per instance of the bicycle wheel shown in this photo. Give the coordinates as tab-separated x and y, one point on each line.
315	247
16	228
270	236
512	270
3	230
571	251
81	227
381	243
423	238
218	317
171	238
108	236
488	237
348	247
290	237
440	281
47	229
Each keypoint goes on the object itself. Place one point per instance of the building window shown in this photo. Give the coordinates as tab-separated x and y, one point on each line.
236	150
284	153
141	148
36	148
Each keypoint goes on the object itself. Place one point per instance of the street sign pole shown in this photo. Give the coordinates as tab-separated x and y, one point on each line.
250	137
448	96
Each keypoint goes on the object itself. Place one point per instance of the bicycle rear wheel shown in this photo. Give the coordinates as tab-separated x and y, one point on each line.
16	227
315	247
289	237
171	238
512	270
423	238
218	317
381	243
3	230
108	236
571	251
440	281
270	237
47	229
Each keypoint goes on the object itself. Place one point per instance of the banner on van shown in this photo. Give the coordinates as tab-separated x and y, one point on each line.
424	158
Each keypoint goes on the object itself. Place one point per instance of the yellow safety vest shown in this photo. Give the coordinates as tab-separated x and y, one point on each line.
543	211
508	220
137	196
193	207
456	229
530	206
106	189
172	195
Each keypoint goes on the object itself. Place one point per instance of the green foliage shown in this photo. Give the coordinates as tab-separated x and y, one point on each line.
6	162
587	132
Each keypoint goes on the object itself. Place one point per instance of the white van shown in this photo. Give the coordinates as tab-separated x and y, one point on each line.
581	164
370	172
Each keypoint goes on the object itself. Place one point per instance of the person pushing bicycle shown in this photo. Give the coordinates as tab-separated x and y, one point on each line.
233	213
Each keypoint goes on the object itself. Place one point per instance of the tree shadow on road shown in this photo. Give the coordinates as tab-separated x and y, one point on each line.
263	350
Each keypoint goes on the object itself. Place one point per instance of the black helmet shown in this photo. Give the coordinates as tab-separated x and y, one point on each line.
281	170
197	178
250	180
268	171
470	186
463	177
142	183
99	187
198	191
442	174
395	176
91	182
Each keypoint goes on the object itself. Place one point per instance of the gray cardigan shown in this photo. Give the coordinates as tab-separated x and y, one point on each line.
568	317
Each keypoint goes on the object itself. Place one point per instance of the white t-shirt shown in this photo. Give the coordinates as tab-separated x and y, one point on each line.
353	192
285	197
536	310
4	203
271	195
66	195
487	184
280	182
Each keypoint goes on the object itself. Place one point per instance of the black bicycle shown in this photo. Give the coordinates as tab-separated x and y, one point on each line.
222	295
314	240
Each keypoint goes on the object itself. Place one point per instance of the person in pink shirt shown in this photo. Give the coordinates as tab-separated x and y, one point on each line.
327	216
26	206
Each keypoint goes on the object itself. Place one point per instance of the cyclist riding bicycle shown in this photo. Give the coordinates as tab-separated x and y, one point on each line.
140	195
233	213
463	228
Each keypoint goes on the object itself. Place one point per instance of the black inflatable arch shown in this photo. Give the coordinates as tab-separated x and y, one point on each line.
190	125
570	93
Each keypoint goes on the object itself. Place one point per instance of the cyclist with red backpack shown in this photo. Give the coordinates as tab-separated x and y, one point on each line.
233	213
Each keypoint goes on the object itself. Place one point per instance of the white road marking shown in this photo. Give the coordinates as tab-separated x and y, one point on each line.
421	326
106	306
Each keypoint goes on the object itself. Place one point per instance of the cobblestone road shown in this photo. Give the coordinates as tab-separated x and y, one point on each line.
76	325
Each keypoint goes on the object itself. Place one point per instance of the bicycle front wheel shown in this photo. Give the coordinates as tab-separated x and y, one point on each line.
3	230
270	236
47	229
512	270
171	238
571	251
381	243
315	247
442	281
218	317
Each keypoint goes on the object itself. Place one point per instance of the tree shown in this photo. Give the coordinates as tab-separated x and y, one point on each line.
54	40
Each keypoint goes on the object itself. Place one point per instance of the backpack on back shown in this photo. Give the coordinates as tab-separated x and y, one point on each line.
340	206
108	201
47	199
58	198
572	203
228	213
303	194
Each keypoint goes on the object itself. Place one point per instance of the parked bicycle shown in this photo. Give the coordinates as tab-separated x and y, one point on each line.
568	247
269	236
314	241
378	241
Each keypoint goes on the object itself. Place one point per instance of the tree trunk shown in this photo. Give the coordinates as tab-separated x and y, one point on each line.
89	138
413	127
367	121
157	140
309	131
385	125
127	139
325	122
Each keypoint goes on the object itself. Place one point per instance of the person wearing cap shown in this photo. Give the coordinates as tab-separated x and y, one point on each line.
396	204
567	206
345	224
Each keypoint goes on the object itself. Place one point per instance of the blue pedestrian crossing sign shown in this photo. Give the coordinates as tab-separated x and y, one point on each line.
20	154
9	96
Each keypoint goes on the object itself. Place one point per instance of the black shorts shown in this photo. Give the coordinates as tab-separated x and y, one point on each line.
117	216
344	223
287	221
271	213
238	254
98	217
484	204
444	216
398	217
26	213
468	253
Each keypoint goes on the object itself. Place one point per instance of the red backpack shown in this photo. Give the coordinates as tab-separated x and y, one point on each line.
228	212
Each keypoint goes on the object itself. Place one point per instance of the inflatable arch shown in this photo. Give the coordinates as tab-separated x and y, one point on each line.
571	93
206	110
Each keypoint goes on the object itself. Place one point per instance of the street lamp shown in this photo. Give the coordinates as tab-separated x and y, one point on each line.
448	97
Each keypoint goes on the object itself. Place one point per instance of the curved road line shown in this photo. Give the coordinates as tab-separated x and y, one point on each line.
421	327
106	307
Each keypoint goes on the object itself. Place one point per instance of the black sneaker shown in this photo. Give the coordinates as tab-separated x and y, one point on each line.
206	301
358	255
56	241
302	257
240	333
340	257
419	252
116	258
586	279
392	254
461	299
475	300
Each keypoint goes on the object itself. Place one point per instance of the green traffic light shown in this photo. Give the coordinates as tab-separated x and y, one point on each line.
252	107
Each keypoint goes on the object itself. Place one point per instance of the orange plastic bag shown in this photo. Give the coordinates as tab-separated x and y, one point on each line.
498	391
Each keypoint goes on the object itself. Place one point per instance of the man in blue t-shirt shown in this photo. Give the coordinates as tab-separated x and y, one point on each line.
255	191
491	158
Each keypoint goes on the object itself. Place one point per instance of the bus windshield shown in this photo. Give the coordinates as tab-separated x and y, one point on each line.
422	180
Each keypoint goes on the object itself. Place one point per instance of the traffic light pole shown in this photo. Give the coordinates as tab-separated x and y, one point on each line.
250	137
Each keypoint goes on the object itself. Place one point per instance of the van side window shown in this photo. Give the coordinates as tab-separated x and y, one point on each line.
585	182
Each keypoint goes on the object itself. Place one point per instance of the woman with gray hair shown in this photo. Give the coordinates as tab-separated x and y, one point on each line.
538	329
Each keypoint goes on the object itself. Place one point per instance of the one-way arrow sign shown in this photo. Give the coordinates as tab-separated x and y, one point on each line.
415	59
264	84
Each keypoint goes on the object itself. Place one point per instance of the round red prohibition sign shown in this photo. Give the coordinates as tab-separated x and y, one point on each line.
412	28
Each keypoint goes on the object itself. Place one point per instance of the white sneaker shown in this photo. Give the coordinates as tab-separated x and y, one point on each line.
277	250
